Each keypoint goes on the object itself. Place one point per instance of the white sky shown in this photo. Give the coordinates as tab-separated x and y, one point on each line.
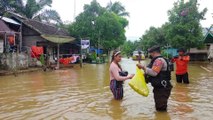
143	13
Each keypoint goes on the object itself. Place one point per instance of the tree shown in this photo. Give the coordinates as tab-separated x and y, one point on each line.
111	30
184	29
117	8
128	47
85	25
6	5
33	9
102	27
153	36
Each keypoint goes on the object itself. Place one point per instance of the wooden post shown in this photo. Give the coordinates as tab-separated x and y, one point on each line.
81	61
5	43
20	37
58	50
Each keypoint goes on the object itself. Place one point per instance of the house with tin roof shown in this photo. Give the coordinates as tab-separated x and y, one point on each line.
35	33
208	40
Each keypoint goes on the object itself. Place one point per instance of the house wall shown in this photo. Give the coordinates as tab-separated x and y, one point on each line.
17	61
30	37
211	46
14	61
27	31
210	51
198	54
29	41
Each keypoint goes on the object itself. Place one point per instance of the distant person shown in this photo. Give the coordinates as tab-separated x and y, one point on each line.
117	76
182	61
159	75
139	56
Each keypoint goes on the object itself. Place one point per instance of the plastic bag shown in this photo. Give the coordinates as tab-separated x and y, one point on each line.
138	83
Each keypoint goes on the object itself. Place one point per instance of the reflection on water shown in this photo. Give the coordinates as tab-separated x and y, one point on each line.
84	94
115	108
162	116
181	99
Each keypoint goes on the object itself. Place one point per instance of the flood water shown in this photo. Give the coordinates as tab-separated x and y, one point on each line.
84	94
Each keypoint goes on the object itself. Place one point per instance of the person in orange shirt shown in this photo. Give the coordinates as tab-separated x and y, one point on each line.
182	61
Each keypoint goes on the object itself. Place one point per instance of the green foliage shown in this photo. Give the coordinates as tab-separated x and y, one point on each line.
117	8
153	36
93	56
128	47
33	9
104	28
184	29
111	30
6	5
166	54
49	16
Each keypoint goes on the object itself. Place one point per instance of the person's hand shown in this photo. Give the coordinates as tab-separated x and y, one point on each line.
141	66
130	76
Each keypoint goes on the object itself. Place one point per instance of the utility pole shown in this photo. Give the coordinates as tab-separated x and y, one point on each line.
74	13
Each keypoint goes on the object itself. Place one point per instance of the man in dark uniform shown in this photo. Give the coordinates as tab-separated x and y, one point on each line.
159	75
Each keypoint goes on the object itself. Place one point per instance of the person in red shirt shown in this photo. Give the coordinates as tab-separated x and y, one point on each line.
182	61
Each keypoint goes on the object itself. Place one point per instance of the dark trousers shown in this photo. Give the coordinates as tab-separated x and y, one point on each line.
182	78
161	96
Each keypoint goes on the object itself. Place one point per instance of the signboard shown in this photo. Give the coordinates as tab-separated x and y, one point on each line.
85	44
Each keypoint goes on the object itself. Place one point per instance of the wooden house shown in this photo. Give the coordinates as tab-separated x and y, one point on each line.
9	35
208	40
35	33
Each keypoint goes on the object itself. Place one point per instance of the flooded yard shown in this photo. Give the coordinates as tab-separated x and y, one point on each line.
84	94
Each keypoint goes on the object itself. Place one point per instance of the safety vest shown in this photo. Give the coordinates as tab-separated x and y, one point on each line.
163	78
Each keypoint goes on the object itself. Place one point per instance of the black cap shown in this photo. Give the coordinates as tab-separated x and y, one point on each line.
154	48
181	50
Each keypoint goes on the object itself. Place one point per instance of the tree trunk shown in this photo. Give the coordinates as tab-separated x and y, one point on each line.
109	55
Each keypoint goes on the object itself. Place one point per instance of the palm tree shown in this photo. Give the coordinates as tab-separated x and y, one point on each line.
6	5
117	8
34	9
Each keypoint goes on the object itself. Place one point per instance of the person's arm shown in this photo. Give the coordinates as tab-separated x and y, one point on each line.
186	58
174	59
115	73
156	68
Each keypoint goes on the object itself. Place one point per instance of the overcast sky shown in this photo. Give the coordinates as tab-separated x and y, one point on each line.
143	13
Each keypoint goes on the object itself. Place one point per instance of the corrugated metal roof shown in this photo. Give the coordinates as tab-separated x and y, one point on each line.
8	20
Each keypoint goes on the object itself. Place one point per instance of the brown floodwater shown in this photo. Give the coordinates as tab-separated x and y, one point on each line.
84	94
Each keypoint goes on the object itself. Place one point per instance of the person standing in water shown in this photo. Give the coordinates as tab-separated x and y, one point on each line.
159	75
139	57
117	76
181	61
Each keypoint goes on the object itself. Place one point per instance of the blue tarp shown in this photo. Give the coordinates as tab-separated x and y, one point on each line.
98	51
171	51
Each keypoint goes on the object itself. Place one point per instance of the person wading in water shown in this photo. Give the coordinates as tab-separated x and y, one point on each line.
159	75
117	76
